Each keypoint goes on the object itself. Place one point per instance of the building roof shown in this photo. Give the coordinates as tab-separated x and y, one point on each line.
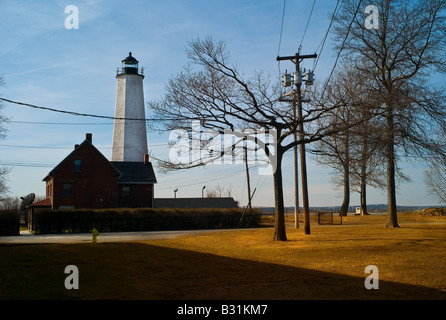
87	142
135	172
130	58
127	172
43	203
195	203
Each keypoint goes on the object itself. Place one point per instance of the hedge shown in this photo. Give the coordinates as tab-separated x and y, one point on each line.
141	219
9	223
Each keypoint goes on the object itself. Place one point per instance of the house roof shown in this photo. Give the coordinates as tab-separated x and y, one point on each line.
43	203
135	172
86	142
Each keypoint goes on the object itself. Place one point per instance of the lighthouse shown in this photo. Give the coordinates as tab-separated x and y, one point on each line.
129	130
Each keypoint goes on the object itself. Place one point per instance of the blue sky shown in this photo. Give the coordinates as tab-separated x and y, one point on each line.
45	64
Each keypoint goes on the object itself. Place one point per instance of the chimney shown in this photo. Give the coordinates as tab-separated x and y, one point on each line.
146	159
76	146
89	137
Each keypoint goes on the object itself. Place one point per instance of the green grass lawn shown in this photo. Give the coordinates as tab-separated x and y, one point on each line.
245	264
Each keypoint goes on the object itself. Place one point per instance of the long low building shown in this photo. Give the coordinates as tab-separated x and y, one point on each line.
195	203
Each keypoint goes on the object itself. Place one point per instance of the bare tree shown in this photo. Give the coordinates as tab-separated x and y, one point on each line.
212	90
348	152
435	174
334	152
399	56
367	166
3	186
219	192
3	170
10	203
435	180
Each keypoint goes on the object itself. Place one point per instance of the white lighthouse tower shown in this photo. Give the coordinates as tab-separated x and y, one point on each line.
129	134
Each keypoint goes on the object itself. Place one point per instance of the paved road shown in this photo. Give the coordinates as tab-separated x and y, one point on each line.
28	238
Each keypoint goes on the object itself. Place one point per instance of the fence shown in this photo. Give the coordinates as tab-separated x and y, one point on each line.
328	217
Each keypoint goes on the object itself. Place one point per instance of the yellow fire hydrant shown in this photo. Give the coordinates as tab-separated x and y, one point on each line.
95	235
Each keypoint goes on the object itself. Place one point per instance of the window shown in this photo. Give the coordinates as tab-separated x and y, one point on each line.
126	192
49	189
77	165
67	189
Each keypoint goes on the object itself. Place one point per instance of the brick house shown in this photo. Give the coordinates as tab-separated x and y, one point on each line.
86	179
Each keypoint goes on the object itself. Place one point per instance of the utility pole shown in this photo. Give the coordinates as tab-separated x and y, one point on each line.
296	174
296	170
297	99
247	178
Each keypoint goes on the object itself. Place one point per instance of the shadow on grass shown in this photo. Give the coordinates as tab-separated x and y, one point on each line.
140	271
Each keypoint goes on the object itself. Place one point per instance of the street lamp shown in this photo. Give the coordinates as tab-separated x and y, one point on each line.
202	194
175	193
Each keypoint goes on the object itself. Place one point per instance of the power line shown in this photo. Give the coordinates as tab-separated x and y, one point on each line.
69	148
26	164
280	37
61	123
308	22
342	46
325	36
32	147
94	115
281	26
65	111
217	177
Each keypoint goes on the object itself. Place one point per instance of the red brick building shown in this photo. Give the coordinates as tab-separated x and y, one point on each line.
86	179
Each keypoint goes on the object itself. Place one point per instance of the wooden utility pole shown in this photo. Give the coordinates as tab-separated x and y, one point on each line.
296	170
296	174
296	59
247	178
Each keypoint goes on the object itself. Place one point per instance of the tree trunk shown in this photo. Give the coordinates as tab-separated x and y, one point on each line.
305	201
346	202
392	220
363	195
363	178
346	164
279	212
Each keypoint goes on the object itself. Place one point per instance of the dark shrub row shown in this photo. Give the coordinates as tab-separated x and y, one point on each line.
147	219
9	223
